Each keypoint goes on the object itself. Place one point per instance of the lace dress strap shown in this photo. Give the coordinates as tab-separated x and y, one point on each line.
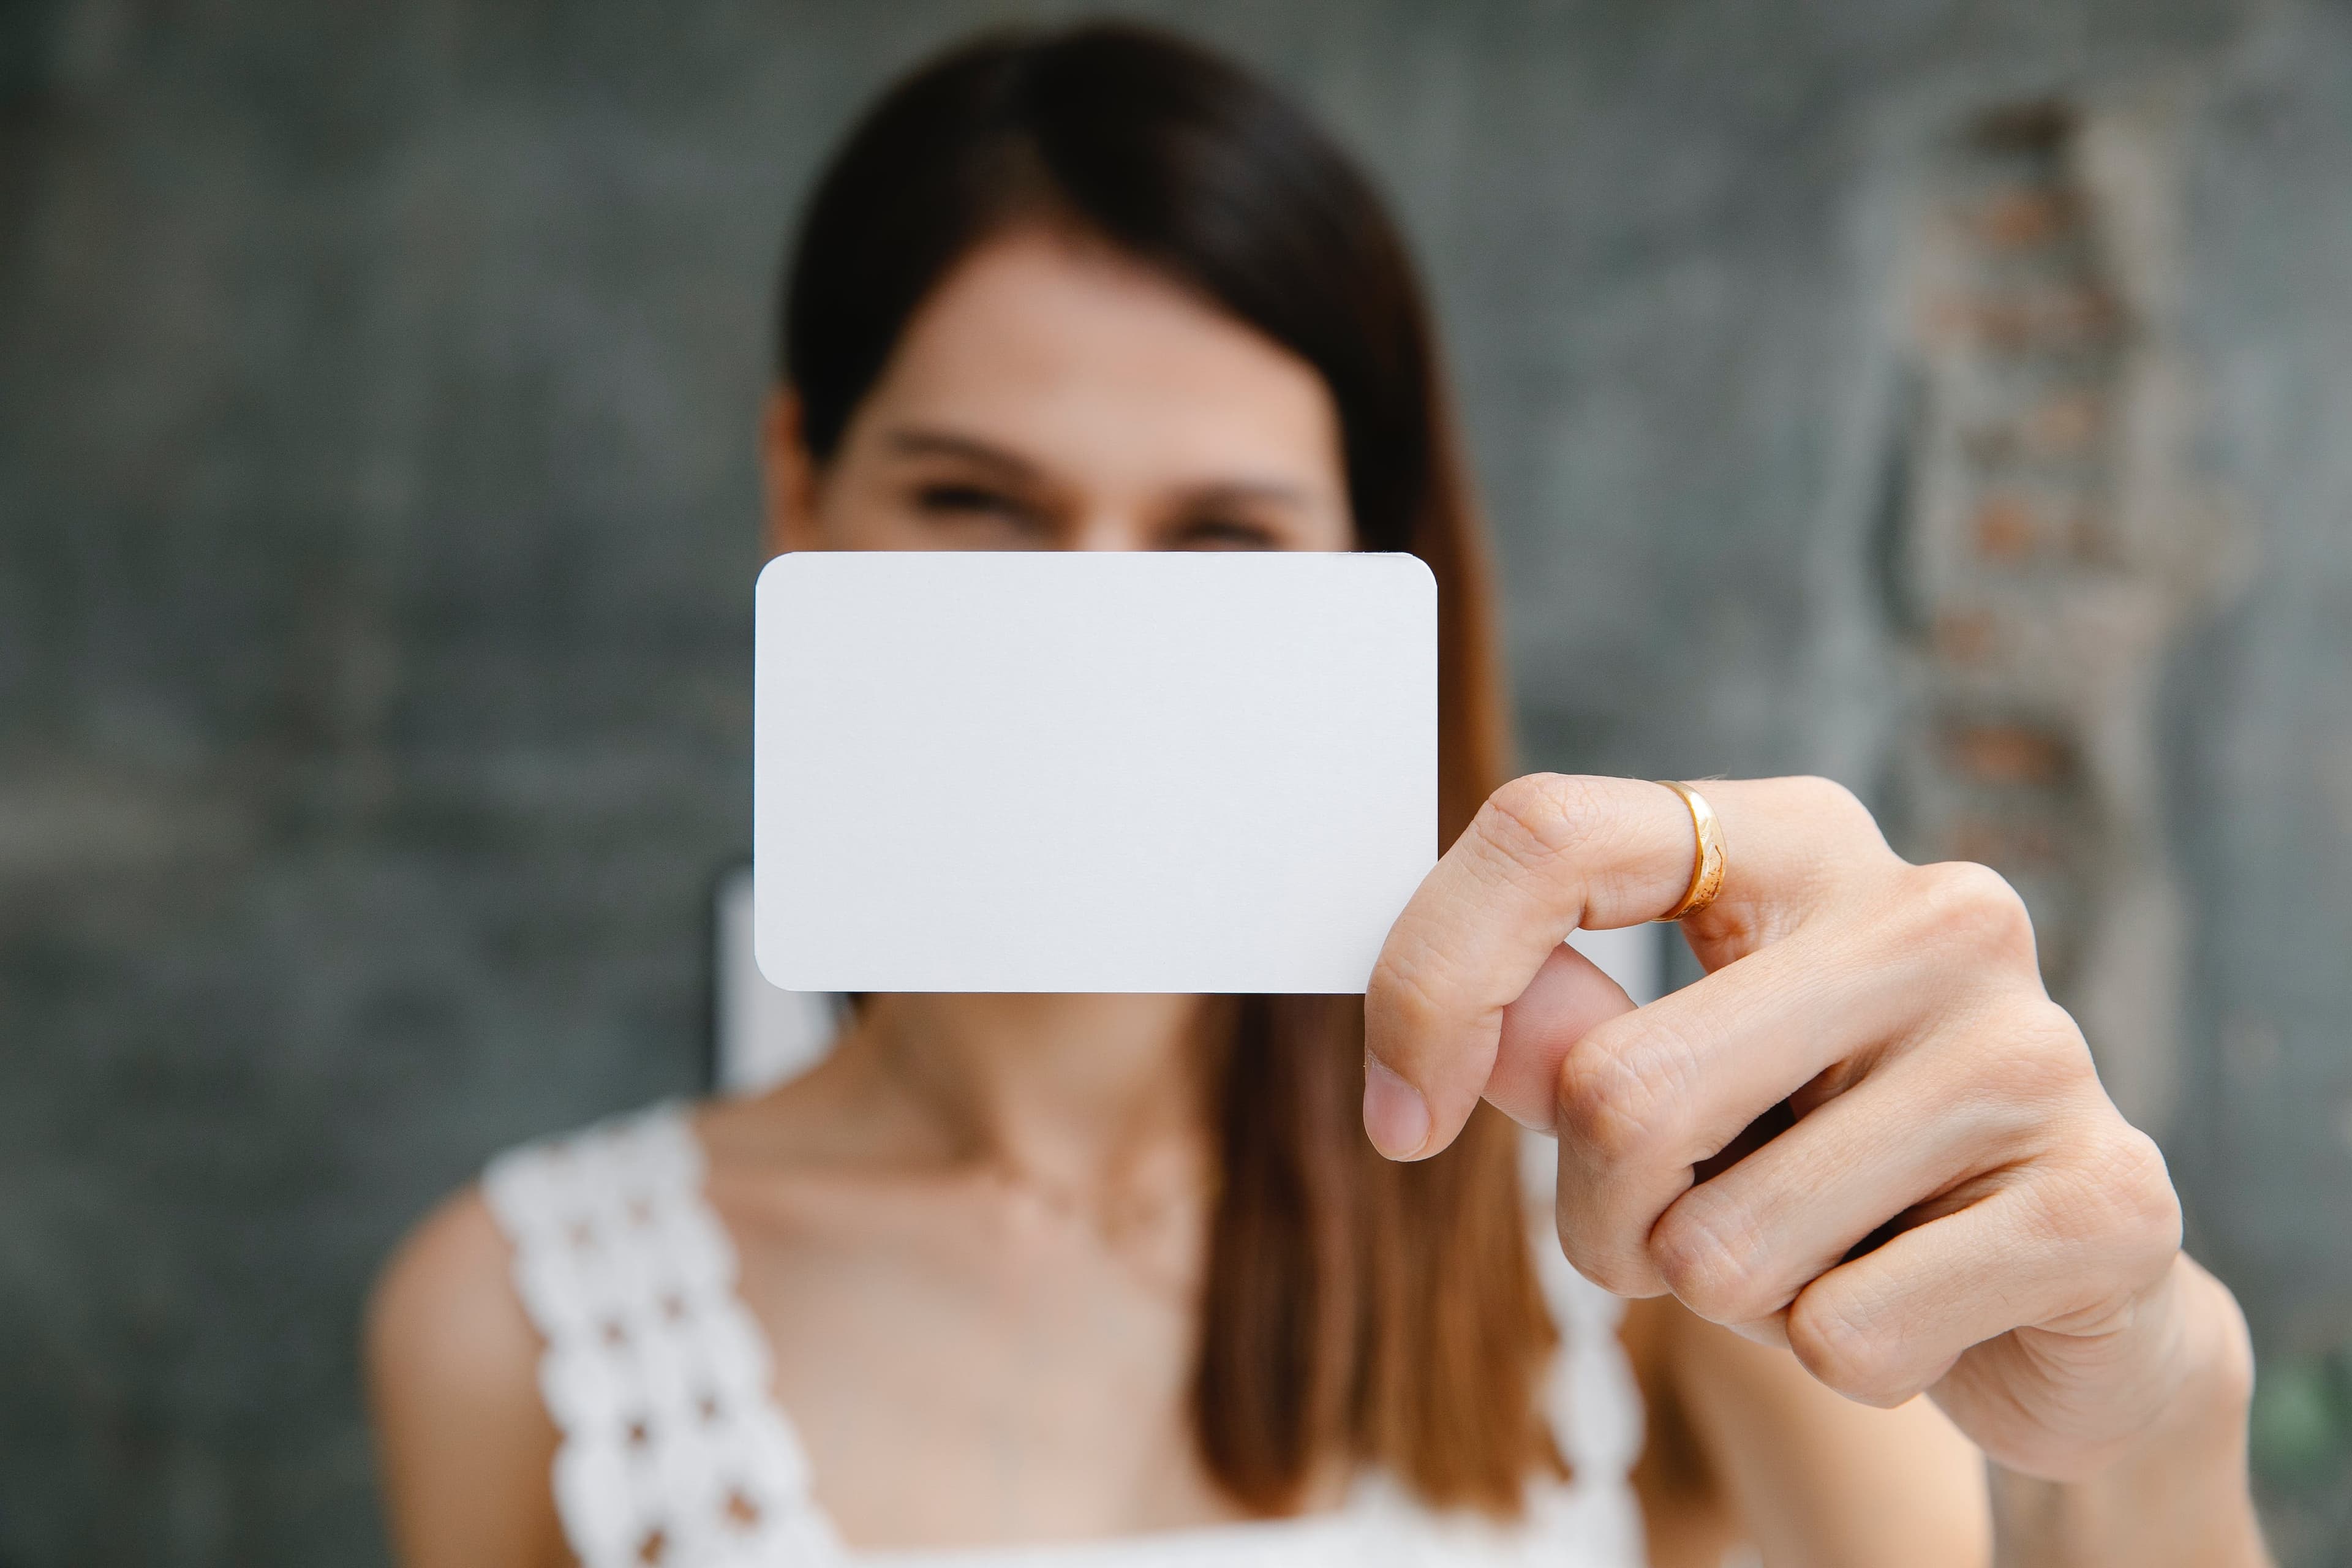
673	1453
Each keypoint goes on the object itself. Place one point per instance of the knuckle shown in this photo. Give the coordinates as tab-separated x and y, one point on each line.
2108	1221
1581	1220
2046	1035
1713	1258
1843	1343
1607	1267
1536	817
1619	1093
2035	1059
1828	804
1963	904
2134	1202
1837	849
2111	1206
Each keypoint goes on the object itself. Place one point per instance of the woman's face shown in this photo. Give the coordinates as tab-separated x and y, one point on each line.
1051	395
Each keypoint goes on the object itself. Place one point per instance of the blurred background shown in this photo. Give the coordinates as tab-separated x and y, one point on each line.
1953	398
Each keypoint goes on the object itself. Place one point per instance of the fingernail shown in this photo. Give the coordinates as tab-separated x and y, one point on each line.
1396	1118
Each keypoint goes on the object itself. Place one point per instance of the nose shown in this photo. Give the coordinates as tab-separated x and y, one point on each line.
1108	529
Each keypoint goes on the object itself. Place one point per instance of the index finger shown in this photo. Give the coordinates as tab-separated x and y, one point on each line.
1548	854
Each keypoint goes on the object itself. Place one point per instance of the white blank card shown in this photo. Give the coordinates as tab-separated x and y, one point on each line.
1043	770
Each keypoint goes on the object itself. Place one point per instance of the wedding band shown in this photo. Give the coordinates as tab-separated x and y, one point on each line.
1707	860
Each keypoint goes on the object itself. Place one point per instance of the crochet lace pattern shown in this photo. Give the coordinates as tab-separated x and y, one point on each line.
673	1452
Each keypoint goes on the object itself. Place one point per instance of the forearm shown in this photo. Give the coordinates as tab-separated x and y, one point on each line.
2179	1496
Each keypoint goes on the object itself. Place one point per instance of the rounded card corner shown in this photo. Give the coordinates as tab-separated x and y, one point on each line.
1425	580
773	967
782	572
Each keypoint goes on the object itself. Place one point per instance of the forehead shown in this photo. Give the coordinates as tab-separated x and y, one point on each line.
1085	360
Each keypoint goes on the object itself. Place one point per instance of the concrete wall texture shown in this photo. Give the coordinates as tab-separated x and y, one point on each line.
1950	397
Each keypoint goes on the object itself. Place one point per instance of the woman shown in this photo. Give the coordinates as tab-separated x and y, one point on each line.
1122	1279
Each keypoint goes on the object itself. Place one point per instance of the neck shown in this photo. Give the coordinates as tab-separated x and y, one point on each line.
1074	1089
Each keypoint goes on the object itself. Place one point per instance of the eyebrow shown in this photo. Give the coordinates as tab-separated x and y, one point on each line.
917	442
920	441
1228	491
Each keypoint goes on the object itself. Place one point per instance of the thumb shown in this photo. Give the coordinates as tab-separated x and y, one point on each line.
1568	997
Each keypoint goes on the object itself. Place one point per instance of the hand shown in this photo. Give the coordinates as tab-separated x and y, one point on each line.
1868	1135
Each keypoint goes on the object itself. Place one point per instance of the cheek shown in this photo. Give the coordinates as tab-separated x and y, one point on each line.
1338	534
1327	529
854	514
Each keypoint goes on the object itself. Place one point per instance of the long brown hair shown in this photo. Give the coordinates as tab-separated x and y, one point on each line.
1355	1311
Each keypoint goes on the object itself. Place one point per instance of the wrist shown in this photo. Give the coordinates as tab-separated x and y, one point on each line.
2206	1417
2179	1491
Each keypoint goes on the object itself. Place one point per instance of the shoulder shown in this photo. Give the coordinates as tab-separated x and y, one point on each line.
452	1358
456	1303
444	1307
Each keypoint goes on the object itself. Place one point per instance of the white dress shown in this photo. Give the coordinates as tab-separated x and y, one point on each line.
675	1455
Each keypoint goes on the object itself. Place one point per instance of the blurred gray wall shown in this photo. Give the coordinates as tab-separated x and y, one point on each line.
376	541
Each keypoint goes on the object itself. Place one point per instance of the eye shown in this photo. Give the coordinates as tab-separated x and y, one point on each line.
951	500
967	514
1213	532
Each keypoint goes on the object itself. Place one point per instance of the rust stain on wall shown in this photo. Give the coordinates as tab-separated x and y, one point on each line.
2051	545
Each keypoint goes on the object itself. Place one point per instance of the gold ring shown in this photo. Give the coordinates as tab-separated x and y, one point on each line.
1707	861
